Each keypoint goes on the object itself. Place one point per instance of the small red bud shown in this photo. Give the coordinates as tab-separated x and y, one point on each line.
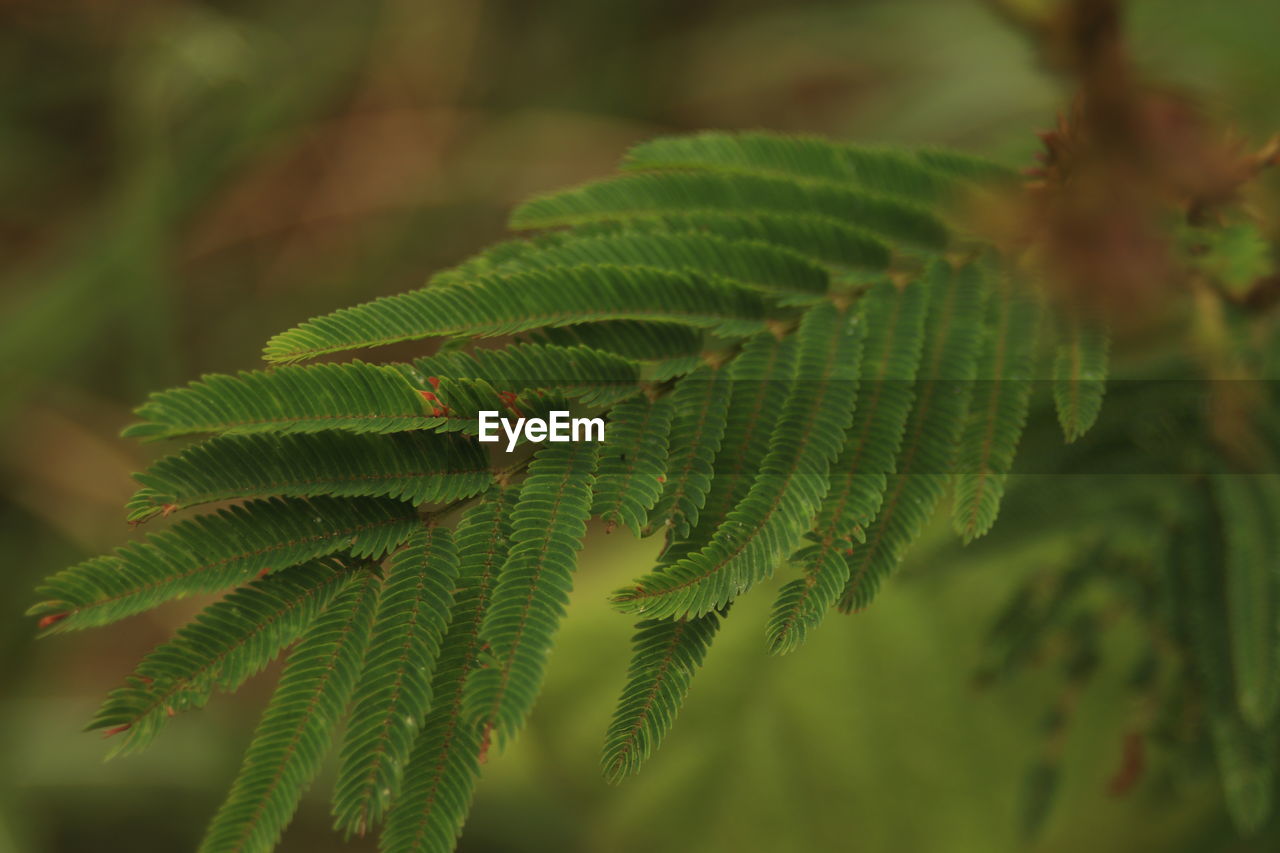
50	620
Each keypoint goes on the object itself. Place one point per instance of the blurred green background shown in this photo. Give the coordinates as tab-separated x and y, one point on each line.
179	180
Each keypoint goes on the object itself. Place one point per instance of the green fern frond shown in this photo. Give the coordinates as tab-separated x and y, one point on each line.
749	263
665	350
879	170
1080	375
393	693
597	377
295	731
444	765
357	397
968	167
227	642
820	238
1249	506
547	527
769	522
700	403
504	305
417	467
953	344
213	552
761	375
633	462
894	319
998	412
649	194
665	655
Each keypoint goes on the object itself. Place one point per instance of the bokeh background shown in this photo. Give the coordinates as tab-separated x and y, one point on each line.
179	180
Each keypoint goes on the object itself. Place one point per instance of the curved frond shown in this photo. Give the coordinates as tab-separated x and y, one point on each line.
393	692
666	350
880	170
665	655
444	765
227	642
953	343
894	320
596	376
1080	375
295	731
357	397
699	402
633	462
216	551
417	467
547	527
998	411
749	263
761	376
769	522
504	305
650	194
821	238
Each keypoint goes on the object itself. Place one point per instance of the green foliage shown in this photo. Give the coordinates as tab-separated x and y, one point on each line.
784	336
633	462
393	693
224	645
667	653
547	526
295	730
445	763
216	551
999	409
418	467
1080	375
770	520
953	343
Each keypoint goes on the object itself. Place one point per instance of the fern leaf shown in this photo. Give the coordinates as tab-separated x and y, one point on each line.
394	689
953	343
652	194
1249	509
759	376
665	350
886	171
802	603
296	728
212	552
894	319
444	765
533	589
749	263
417	467
1080	376
700	402
504	305
229	641
768	524
633	462
665	655
968	167
597	377
817	237
998	412
357	397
